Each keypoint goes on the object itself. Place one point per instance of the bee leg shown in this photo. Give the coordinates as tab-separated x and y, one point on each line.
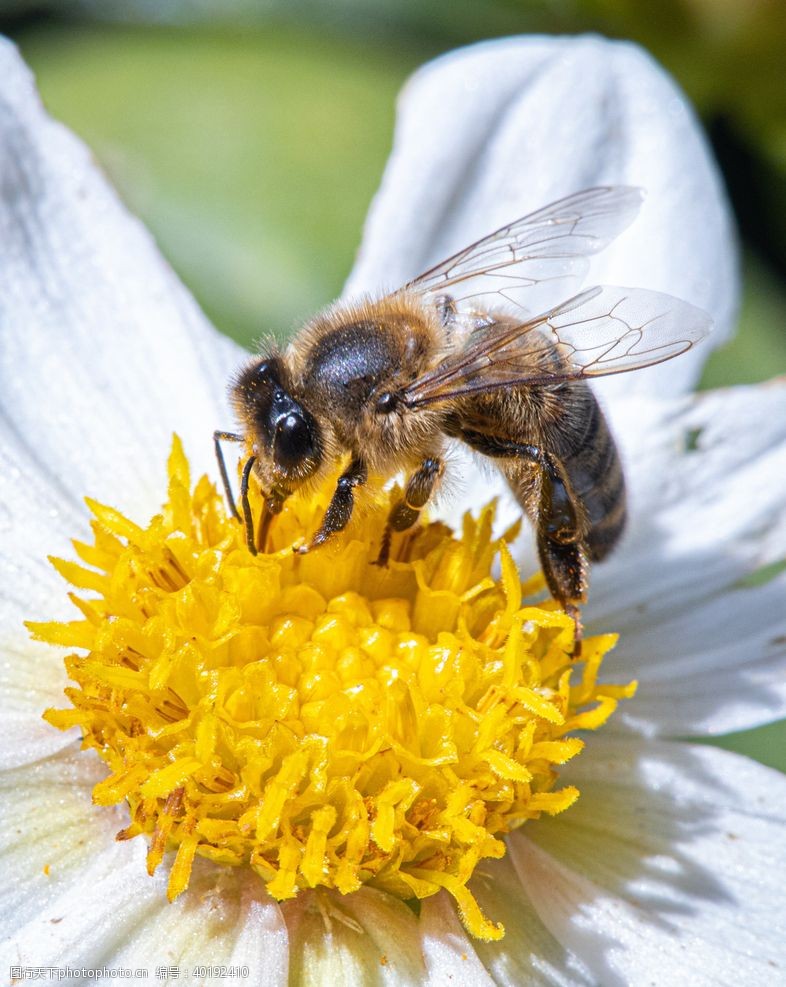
248	519
559	521
273	503
406	512
565	569
339	509
218	437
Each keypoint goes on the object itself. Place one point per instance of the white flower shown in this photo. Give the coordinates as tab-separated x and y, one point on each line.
668	870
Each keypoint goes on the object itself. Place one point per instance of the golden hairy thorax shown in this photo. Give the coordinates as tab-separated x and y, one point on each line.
348	355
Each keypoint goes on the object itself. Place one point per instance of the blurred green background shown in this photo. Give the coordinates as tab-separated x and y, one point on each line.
251	136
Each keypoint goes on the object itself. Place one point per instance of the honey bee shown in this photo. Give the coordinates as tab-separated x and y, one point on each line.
454	354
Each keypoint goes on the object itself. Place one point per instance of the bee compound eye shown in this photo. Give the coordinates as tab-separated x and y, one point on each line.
292	442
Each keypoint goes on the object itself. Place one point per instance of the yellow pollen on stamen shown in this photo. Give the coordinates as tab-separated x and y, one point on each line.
320	719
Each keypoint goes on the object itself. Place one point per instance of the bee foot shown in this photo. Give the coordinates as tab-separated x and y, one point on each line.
575	613
318	540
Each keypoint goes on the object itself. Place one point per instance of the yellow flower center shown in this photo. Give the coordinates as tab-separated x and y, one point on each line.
317	718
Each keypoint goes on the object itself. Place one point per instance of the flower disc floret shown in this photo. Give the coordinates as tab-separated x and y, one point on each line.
317	718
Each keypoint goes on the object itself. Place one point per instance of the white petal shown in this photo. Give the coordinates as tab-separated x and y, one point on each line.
527	956
47	820
708	651
31	520
448	951
367	937
33	680
103	353
706	479
225	918
492	132
118	917
95	905
727	673
669	868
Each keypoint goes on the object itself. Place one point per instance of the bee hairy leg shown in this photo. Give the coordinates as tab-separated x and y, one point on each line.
340	508
218	438
565	569
559	522
405	513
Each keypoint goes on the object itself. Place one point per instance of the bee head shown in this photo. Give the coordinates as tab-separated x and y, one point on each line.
286	434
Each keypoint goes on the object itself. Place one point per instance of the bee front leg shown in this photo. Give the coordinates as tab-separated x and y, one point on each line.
274	502
248	520
406	512
339	509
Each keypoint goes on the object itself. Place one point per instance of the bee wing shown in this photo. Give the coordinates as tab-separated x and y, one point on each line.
605	330
547	249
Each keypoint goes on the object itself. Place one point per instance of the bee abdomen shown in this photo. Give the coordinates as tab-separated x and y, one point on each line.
595	473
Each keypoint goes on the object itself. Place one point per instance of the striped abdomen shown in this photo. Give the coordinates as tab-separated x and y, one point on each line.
590	458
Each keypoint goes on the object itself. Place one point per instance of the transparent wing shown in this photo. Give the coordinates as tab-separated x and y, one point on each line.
537	258
605	330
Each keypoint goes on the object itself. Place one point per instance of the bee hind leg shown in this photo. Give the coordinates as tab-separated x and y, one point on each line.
565	568
405	513
559	520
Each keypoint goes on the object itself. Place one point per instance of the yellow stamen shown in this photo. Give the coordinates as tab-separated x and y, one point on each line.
321	720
